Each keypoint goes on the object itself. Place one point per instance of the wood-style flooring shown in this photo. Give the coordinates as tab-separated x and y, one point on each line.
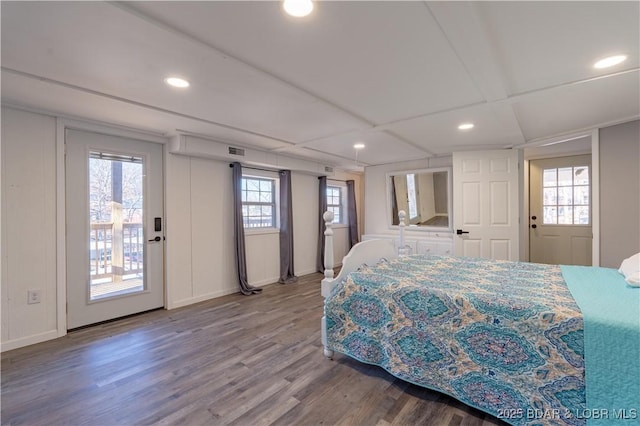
240	360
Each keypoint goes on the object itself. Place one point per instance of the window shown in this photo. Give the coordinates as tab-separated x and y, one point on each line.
566	196
334	203
258	202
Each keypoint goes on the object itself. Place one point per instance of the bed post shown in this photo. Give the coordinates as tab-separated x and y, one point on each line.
402	250
328	274
328	245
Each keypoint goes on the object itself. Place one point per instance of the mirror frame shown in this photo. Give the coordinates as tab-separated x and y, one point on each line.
422	228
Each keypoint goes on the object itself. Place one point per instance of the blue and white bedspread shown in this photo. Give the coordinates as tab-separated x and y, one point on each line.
504	337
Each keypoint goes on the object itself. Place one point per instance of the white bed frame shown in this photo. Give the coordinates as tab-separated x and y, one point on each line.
368	252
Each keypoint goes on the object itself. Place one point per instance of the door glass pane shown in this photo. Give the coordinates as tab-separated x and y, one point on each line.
581	215
565	176
581	195
116	237
581	175
550	215
565	195
565	215
550	196
549	178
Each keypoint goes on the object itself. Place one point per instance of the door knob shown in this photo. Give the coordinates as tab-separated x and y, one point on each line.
534	217
156	239
534	226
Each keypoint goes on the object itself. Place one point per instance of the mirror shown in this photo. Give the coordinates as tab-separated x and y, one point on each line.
425	195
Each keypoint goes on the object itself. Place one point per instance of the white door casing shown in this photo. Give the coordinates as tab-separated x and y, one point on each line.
81	310
486	204
566	244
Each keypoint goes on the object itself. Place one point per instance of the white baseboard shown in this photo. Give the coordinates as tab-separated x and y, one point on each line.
29	340
264	282
201	298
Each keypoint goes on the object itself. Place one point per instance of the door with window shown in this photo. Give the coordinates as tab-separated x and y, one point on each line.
560	210
114	209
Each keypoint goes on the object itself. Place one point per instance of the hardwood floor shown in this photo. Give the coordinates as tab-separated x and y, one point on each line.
235	360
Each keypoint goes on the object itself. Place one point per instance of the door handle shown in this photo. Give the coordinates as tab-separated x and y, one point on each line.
156	239
460	232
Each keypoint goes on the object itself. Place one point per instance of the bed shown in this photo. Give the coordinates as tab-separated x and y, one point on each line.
528	343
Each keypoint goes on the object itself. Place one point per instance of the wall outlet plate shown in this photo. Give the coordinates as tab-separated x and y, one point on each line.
34	296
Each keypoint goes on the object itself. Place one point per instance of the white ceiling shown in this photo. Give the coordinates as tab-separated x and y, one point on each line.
398	76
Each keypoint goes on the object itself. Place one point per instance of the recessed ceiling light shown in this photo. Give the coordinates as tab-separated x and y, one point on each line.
176	82
610	61
465	126
358	146
298	8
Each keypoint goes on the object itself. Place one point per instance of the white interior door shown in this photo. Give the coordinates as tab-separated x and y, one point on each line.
560	210
486	204
114	209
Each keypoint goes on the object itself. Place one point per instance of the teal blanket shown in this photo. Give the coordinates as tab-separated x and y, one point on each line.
611	315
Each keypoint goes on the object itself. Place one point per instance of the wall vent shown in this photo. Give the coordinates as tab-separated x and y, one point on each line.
328	169
236	151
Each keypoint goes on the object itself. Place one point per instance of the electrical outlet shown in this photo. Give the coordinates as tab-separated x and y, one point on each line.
34	296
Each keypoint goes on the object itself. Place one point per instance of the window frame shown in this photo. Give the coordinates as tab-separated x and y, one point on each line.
274	181
342	206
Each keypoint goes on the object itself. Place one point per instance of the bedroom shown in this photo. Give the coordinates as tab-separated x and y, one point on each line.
267	100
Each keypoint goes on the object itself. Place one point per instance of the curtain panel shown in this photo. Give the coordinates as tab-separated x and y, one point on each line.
322	203
286	229
352	213
238	229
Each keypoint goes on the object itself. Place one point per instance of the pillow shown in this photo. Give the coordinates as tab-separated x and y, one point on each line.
630	268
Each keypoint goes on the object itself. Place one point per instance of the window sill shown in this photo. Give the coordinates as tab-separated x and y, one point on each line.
260	231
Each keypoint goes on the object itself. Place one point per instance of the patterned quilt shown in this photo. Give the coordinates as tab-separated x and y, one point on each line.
504	337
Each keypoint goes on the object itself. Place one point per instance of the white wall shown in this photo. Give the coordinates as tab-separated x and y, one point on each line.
375	200
200	249
28	227
619	193
200	260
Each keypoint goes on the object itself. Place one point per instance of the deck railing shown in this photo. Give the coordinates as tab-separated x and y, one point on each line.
102	255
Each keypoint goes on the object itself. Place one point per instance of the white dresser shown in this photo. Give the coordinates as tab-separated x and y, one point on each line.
430	242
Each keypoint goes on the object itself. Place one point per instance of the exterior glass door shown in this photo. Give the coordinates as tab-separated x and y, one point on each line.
114	241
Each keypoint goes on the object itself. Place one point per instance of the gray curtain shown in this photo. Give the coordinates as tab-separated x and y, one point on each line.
322	203
352	213
238	227
286	229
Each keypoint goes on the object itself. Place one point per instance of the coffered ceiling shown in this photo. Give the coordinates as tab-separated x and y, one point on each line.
397	76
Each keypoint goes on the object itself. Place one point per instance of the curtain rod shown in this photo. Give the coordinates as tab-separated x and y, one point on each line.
276	171
335	180
256	168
